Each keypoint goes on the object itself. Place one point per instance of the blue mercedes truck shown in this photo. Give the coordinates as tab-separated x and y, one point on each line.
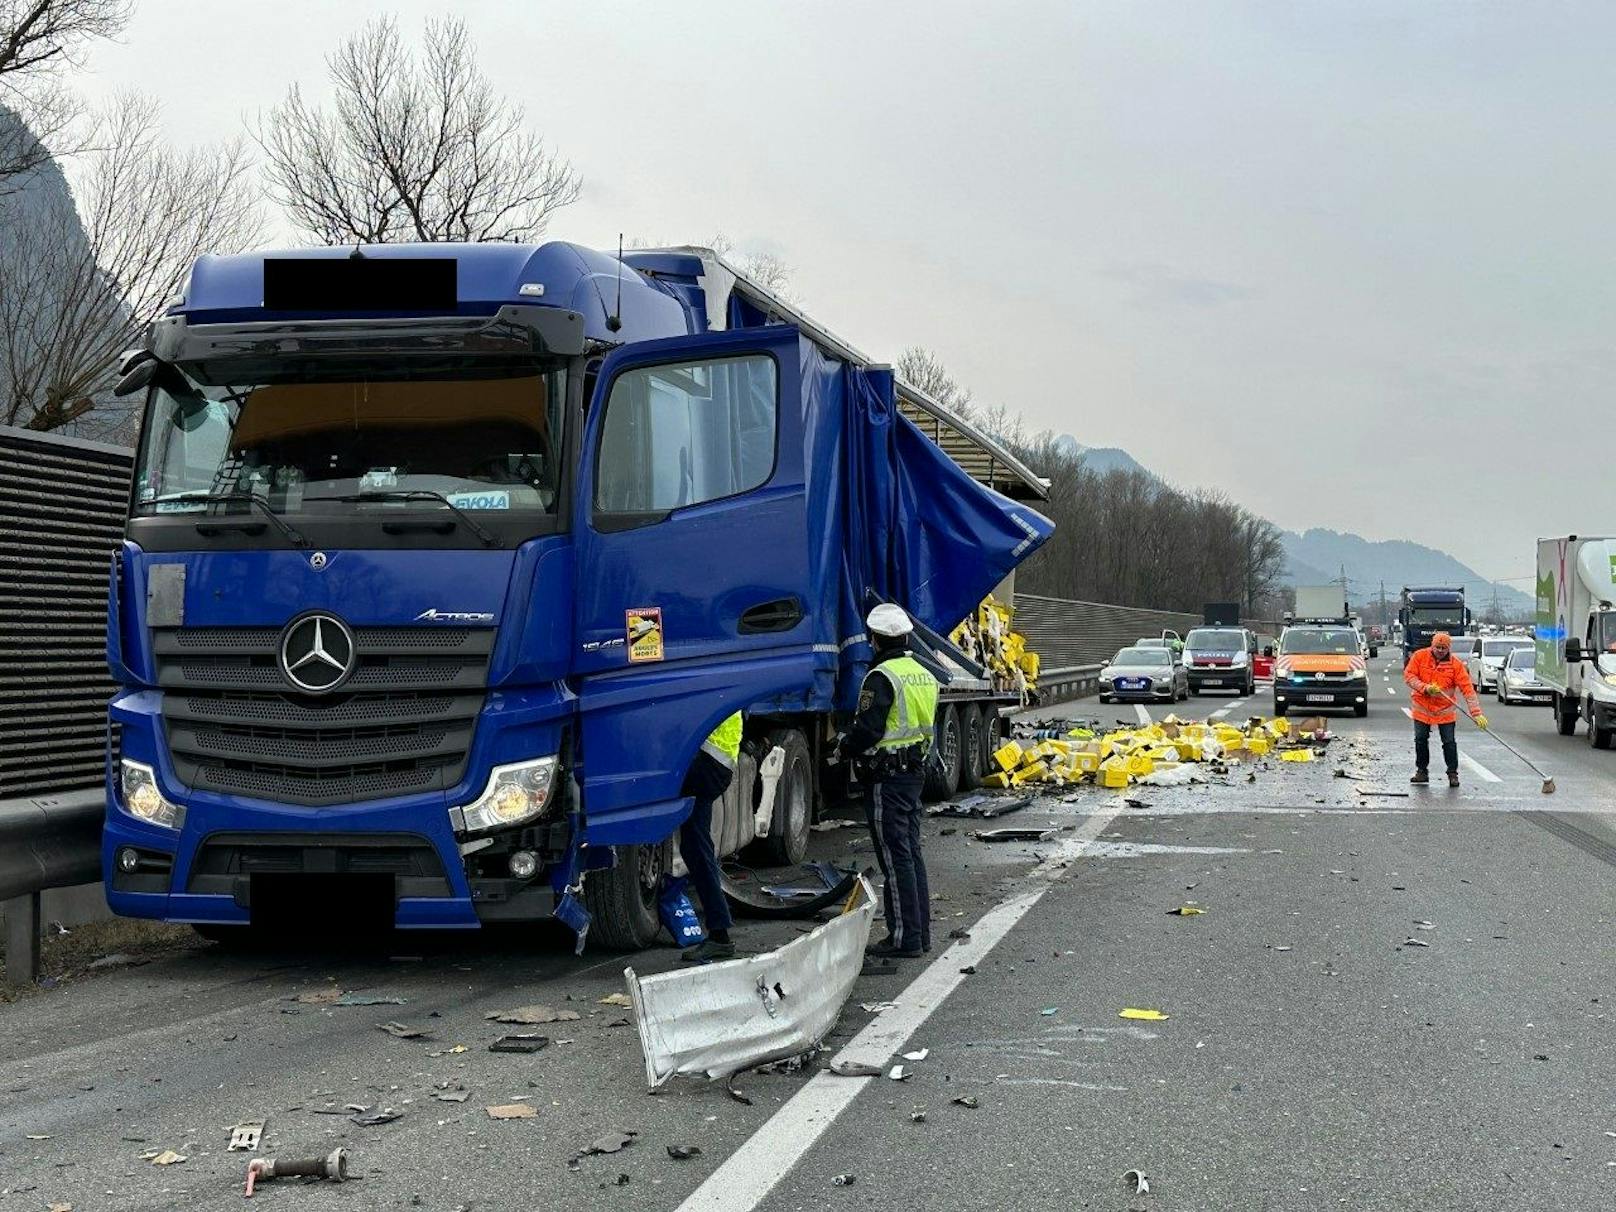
1425	610
442	560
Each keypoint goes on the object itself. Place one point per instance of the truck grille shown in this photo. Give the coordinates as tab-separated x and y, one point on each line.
402	724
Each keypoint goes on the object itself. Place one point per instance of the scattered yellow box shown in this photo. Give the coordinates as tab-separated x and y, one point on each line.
996	780
1008	756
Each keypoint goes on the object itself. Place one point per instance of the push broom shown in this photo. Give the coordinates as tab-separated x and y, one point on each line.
1548	780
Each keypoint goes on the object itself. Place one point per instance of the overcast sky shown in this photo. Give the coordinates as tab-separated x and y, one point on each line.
1348	262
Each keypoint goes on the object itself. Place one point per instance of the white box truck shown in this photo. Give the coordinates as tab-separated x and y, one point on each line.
1576	632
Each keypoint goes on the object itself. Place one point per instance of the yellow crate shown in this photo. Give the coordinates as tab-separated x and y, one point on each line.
1008	756
1257	745
1112	773
1139	764
996	780
1028	774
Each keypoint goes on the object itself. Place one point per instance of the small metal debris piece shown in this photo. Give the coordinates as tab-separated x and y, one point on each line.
683	1152
899	1074
367	999
612	1142
1136	1182
519	1043
958	933
968	970
855	1069
844	1180
1013	835
969	1101
333	1166
532	1016
375	1118
918	1115
400	1031
918	1055
1049	1011
246	1135
518	1111
1415	942
876	1007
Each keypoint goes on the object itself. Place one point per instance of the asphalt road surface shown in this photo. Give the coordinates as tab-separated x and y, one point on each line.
1313	1055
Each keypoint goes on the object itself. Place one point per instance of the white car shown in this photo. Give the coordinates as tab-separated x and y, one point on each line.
1517	680
1485	663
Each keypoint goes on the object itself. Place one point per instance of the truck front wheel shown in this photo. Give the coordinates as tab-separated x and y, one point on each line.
786	843
622	900
1598	736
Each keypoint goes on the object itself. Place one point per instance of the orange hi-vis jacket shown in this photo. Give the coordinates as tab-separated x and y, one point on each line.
1450	676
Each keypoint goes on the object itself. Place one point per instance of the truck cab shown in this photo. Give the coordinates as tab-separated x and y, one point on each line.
441	561
1575	633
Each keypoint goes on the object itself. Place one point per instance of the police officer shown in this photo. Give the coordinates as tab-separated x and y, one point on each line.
889	742
709	777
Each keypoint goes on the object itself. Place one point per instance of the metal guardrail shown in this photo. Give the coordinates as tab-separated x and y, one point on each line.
49	841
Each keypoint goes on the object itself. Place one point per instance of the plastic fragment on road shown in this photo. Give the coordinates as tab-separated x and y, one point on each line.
969	1101
1013	835
1415	942
717	1019
403	1031
876	1007
532	1016
1137	1182
452	1096
899	1074
368	999
166	1158
512	1111
1186	911
683	1152
919	1054
520	1042
1049	1010
1296	755
614	999
1149	1016
372	1119
855	1069
246	1135
612	1142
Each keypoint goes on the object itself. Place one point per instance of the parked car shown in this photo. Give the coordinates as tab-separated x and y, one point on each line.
1143	672
1168	639
1485	662
1220	658
1518	680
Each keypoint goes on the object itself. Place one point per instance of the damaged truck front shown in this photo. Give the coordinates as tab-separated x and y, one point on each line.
441	562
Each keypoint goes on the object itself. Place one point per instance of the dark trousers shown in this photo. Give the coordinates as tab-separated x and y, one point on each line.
1422	746
892	809
706	783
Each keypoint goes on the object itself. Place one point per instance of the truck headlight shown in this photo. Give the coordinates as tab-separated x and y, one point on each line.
141	797
515	793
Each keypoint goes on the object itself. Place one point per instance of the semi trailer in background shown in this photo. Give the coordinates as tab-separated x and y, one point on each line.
441	562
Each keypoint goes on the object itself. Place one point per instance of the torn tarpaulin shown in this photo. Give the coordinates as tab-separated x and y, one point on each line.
718	1019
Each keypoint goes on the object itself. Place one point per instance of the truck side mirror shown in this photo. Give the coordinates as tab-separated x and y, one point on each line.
1573	651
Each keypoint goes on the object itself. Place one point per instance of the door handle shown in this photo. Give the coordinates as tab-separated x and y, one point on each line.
782	614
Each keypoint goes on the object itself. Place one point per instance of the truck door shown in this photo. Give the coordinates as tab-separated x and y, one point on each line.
693	568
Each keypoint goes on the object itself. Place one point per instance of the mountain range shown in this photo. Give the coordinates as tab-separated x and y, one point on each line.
1319	557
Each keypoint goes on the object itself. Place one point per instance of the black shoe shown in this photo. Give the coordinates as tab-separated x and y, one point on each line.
708	952
1453	778
885	949
1421	778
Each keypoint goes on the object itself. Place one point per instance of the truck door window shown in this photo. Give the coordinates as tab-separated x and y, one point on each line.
683	433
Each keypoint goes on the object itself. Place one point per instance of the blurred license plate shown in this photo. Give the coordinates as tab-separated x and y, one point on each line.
1321	698
1211	681
1131	684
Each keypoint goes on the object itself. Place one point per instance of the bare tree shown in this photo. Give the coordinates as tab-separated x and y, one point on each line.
39	41
921	368
413	148
80	283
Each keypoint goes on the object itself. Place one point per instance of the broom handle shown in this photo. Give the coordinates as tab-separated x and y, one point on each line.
1497	738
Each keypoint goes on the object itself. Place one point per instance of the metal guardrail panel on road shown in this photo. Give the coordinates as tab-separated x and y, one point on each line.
62	503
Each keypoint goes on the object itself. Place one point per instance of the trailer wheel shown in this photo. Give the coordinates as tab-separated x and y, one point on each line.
787	842
992	738
973	754
943	773
622	900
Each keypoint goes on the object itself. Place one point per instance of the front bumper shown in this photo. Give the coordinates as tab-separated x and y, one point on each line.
1163	691
1321	694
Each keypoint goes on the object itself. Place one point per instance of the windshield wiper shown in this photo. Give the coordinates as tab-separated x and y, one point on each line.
293	535
419	494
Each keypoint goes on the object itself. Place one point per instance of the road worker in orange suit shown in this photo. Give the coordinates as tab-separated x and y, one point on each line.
1435	682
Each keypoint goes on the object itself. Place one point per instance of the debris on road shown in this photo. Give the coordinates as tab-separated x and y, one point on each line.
515	1111
368	999
401	1031
719	1019
876	1007
532	1016
844	1180
612	1142
373	1119
166	1157
919	1054
1013	835
452	1096
520	1043
614	999
969	1101
1186	911
787	903
333	1166
918	1115
246	1135
118	959
854	1069
1415	942
1149	1016
1296	755
982	807
683	1152
1047	1011
1137	1182
899	1074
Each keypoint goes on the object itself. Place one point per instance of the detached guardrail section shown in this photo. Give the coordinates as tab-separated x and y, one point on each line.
62	504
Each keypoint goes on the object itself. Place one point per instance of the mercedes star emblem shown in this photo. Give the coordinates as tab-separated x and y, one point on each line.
317	653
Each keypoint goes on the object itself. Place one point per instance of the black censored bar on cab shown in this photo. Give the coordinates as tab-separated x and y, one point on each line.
361	284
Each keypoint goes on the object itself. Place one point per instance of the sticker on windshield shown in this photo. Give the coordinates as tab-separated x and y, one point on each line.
480	500
644	632
180	506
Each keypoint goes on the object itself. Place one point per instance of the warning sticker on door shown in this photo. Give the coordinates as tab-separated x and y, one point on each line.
644	626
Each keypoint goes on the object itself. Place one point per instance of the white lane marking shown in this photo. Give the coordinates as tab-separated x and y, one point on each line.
1392	690
1144	716
769	1154
1219	714
1486	776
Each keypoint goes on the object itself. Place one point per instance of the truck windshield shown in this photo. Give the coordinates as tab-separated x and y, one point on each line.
484	443
1438	618
1205	640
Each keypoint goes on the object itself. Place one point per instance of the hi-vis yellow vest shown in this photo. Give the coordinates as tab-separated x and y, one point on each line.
912	717
723	744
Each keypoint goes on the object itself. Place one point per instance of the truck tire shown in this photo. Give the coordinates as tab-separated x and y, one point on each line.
1565	720
1251	685
1360	710
943	773
973	752
787	842
1598	737
622	900
992	737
